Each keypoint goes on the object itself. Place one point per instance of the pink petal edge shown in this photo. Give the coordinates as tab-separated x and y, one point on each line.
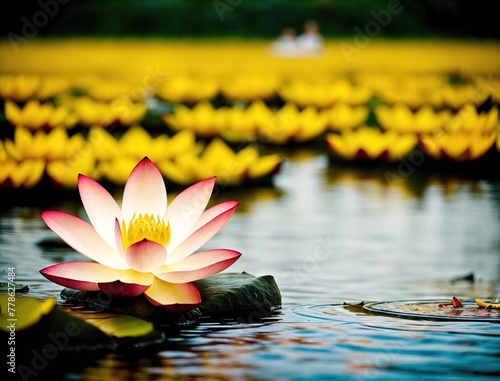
90	276
187	207
119	288
82	237
199	266
213	212
100	206
200	236
83	276
119	239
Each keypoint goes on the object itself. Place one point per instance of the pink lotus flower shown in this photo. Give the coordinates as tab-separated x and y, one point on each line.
144	247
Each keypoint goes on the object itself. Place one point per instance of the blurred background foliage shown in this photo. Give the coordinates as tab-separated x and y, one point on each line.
251	18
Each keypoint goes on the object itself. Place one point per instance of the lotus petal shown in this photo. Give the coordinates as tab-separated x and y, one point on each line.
100	206
144	192
132	276
119	288
200	236
213	212
130	283
162	293
145	256
186	209
83	276
119	239
199	265
82	237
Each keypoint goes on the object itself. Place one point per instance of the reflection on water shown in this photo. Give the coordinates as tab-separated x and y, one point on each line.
329	233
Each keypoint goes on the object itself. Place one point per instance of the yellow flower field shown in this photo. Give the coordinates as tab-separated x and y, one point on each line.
140	58
142	97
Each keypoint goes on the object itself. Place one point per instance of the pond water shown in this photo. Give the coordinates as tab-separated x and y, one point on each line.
329	234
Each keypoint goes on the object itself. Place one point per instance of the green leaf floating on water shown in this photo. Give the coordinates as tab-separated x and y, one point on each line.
17	287
22	312
121	326
468	310
34	324
241	296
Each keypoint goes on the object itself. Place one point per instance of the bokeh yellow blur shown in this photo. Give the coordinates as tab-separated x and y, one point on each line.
212	107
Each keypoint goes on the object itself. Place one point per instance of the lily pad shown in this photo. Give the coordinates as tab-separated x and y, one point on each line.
123	326
128	331
240	296
23	312
41	326
434	310
18	287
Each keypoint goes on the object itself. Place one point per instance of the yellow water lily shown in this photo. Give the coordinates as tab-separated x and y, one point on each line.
289	124
457	146
116	157
243	124
106	90
36	115
489	85
203	119
401	118
143	246
411	81
324	95
53	86
218	159
30	155
412	90
237	124
104	144
52	145
240	124
137	142
25	174
413	100
117	170
18	87
64	173
345	117
469	119
250	87
184	88
27	311
456	96
121	111
368	143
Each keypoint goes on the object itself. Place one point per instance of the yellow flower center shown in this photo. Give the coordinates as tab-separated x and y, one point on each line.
147	226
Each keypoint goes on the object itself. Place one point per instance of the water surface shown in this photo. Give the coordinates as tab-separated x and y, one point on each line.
328	233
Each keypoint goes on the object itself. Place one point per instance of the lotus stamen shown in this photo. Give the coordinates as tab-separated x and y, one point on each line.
147	226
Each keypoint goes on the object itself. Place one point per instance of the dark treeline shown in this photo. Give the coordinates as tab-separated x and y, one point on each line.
248	18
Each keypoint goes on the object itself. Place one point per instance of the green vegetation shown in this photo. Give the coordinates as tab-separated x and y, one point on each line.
250	18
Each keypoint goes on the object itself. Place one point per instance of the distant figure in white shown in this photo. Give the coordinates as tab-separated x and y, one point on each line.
286	44
311	40
308	44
